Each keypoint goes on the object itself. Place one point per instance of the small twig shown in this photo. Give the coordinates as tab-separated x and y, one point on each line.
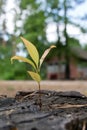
69	106
84	126
29	95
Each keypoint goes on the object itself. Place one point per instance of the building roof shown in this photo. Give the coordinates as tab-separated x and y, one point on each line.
79	52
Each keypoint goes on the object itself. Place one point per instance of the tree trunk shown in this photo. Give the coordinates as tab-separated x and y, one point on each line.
67	57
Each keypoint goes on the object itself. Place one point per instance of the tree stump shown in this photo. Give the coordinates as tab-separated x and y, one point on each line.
59	111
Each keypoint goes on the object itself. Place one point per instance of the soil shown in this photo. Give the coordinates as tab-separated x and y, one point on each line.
55	111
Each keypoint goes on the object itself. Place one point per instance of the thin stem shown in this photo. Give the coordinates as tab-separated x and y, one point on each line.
39	86
40	102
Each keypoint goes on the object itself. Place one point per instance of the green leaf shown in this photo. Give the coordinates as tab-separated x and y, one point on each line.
35	76
24	60
45	54
32	51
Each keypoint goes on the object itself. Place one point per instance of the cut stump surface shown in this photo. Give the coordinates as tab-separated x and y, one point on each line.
59	111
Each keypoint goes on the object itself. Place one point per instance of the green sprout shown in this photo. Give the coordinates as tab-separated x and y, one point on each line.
35	61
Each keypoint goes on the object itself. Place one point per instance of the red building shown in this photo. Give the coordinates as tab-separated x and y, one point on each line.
56	68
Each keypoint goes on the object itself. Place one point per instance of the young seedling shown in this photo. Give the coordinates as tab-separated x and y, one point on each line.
35	62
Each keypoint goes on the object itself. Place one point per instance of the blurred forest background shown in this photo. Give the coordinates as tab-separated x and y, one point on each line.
43	22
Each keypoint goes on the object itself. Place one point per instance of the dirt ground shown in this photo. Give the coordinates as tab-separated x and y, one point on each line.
10	88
